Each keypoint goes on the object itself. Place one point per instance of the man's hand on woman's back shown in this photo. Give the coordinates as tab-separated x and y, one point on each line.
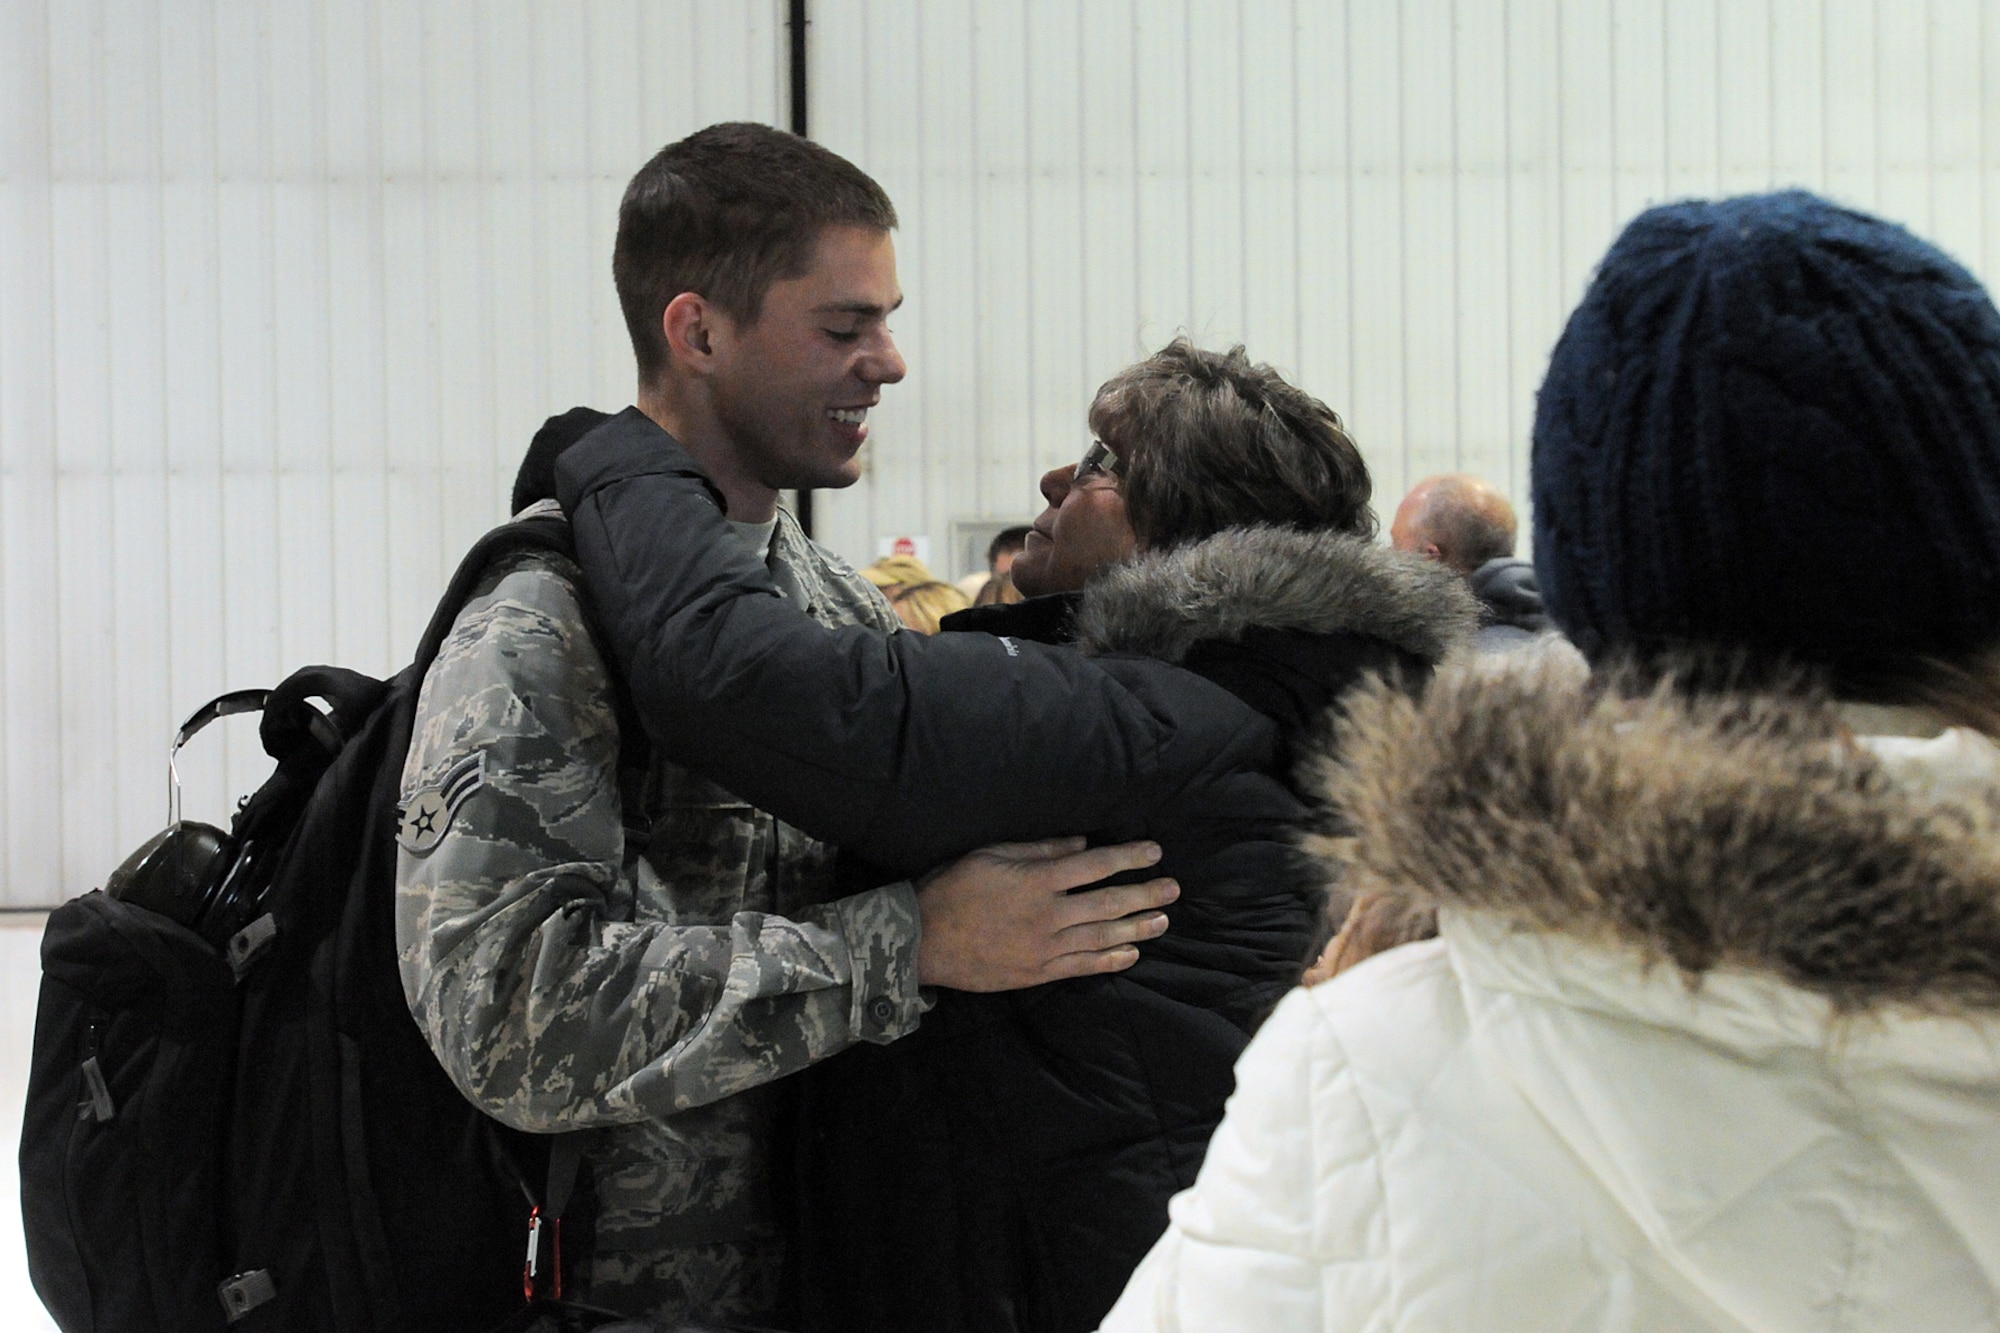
1004	917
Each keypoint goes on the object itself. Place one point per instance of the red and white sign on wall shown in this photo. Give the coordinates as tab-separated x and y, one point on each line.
920	547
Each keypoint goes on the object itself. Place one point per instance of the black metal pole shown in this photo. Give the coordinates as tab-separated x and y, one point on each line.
796	21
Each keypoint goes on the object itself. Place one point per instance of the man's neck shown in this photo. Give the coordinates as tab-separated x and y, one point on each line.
698	432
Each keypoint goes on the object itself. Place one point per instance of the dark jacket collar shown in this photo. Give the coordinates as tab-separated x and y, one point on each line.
1509	595
1047	619
1286	621
1278	579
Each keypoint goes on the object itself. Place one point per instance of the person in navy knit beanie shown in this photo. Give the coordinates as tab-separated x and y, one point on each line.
1774	424
1670	993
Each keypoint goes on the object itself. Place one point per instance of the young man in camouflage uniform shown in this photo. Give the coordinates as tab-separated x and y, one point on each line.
597	944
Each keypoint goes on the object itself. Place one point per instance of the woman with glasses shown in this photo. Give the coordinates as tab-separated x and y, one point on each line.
1208	587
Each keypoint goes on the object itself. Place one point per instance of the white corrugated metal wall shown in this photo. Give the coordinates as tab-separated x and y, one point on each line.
1395	203
285	283
284	286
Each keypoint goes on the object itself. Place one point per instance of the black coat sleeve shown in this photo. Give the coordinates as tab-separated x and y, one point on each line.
904	748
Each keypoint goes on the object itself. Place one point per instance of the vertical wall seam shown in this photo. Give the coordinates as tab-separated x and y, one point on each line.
48	248
1771	178
1508	349
1245	175
925	411
1083	233
1666	177
1457	254
1825	102
433	292
1561	165
1138	176
378	221
274	449
1347	168
1030	237
976	176
592	367
1611	111
1771	119
1875	105
1187	157
1298	198
329	446
1932	178
1403	249
112	424
695	62
868	154
225	622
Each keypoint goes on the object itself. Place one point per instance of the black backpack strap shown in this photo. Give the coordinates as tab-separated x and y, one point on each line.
291	723
546	531
565	1156
537	532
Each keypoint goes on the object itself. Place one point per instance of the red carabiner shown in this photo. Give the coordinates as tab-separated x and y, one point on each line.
531	1269
534	1253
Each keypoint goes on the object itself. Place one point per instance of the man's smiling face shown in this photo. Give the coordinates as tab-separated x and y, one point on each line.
792	390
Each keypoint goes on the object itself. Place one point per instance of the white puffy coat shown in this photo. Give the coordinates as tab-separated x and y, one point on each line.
1710	1038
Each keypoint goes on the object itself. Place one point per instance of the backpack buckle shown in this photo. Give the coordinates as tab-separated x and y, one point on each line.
249	943
245	1292
98	1106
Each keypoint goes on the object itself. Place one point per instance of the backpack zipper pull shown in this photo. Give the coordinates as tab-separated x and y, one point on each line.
98	1105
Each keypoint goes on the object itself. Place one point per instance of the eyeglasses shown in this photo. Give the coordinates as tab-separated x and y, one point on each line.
1098	459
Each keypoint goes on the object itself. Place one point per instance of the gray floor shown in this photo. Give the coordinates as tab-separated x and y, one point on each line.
20	975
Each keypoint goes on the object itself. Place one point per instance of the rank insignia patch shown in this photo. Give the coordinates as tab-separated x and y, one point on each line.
427	818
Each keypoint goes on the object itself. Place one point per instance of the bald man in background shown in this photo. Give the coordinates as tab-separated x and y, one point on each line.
1465	523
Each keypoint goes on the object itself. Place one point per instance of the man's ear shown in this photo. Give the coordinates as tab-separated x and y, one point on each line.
691	324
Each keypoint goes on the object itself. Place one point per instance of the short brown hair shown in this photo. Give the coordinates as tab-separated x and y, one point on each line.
1210	441
726	212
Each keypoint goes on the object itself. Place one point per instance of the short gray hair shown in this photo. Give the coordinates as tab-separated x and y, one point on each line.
1211	441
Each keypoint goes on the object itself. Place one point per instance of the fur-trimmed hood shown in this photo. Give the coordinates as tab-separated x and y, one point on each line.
1742	830
1161	605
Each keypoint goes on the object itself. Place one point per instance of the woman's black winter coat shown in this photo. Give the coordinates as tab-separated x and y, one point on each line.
1006	1166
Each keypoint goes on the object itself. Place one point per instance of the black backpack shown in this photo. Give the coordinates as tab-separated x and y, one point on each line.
235	1122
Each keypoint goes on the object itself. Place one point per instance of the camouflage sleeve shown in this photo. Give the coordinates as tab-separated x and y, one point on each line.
548	1005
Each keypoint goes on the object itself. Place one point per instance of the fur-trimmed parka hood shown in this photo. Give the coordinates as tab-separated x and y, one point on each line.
1161	605
1733	829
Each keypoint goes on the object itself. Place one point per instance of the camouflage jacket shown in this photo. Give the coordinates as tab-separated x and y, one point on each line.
586	945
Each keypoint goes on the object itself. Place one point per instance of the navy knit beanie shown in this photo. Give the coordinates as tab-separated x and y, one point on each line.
1773	423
